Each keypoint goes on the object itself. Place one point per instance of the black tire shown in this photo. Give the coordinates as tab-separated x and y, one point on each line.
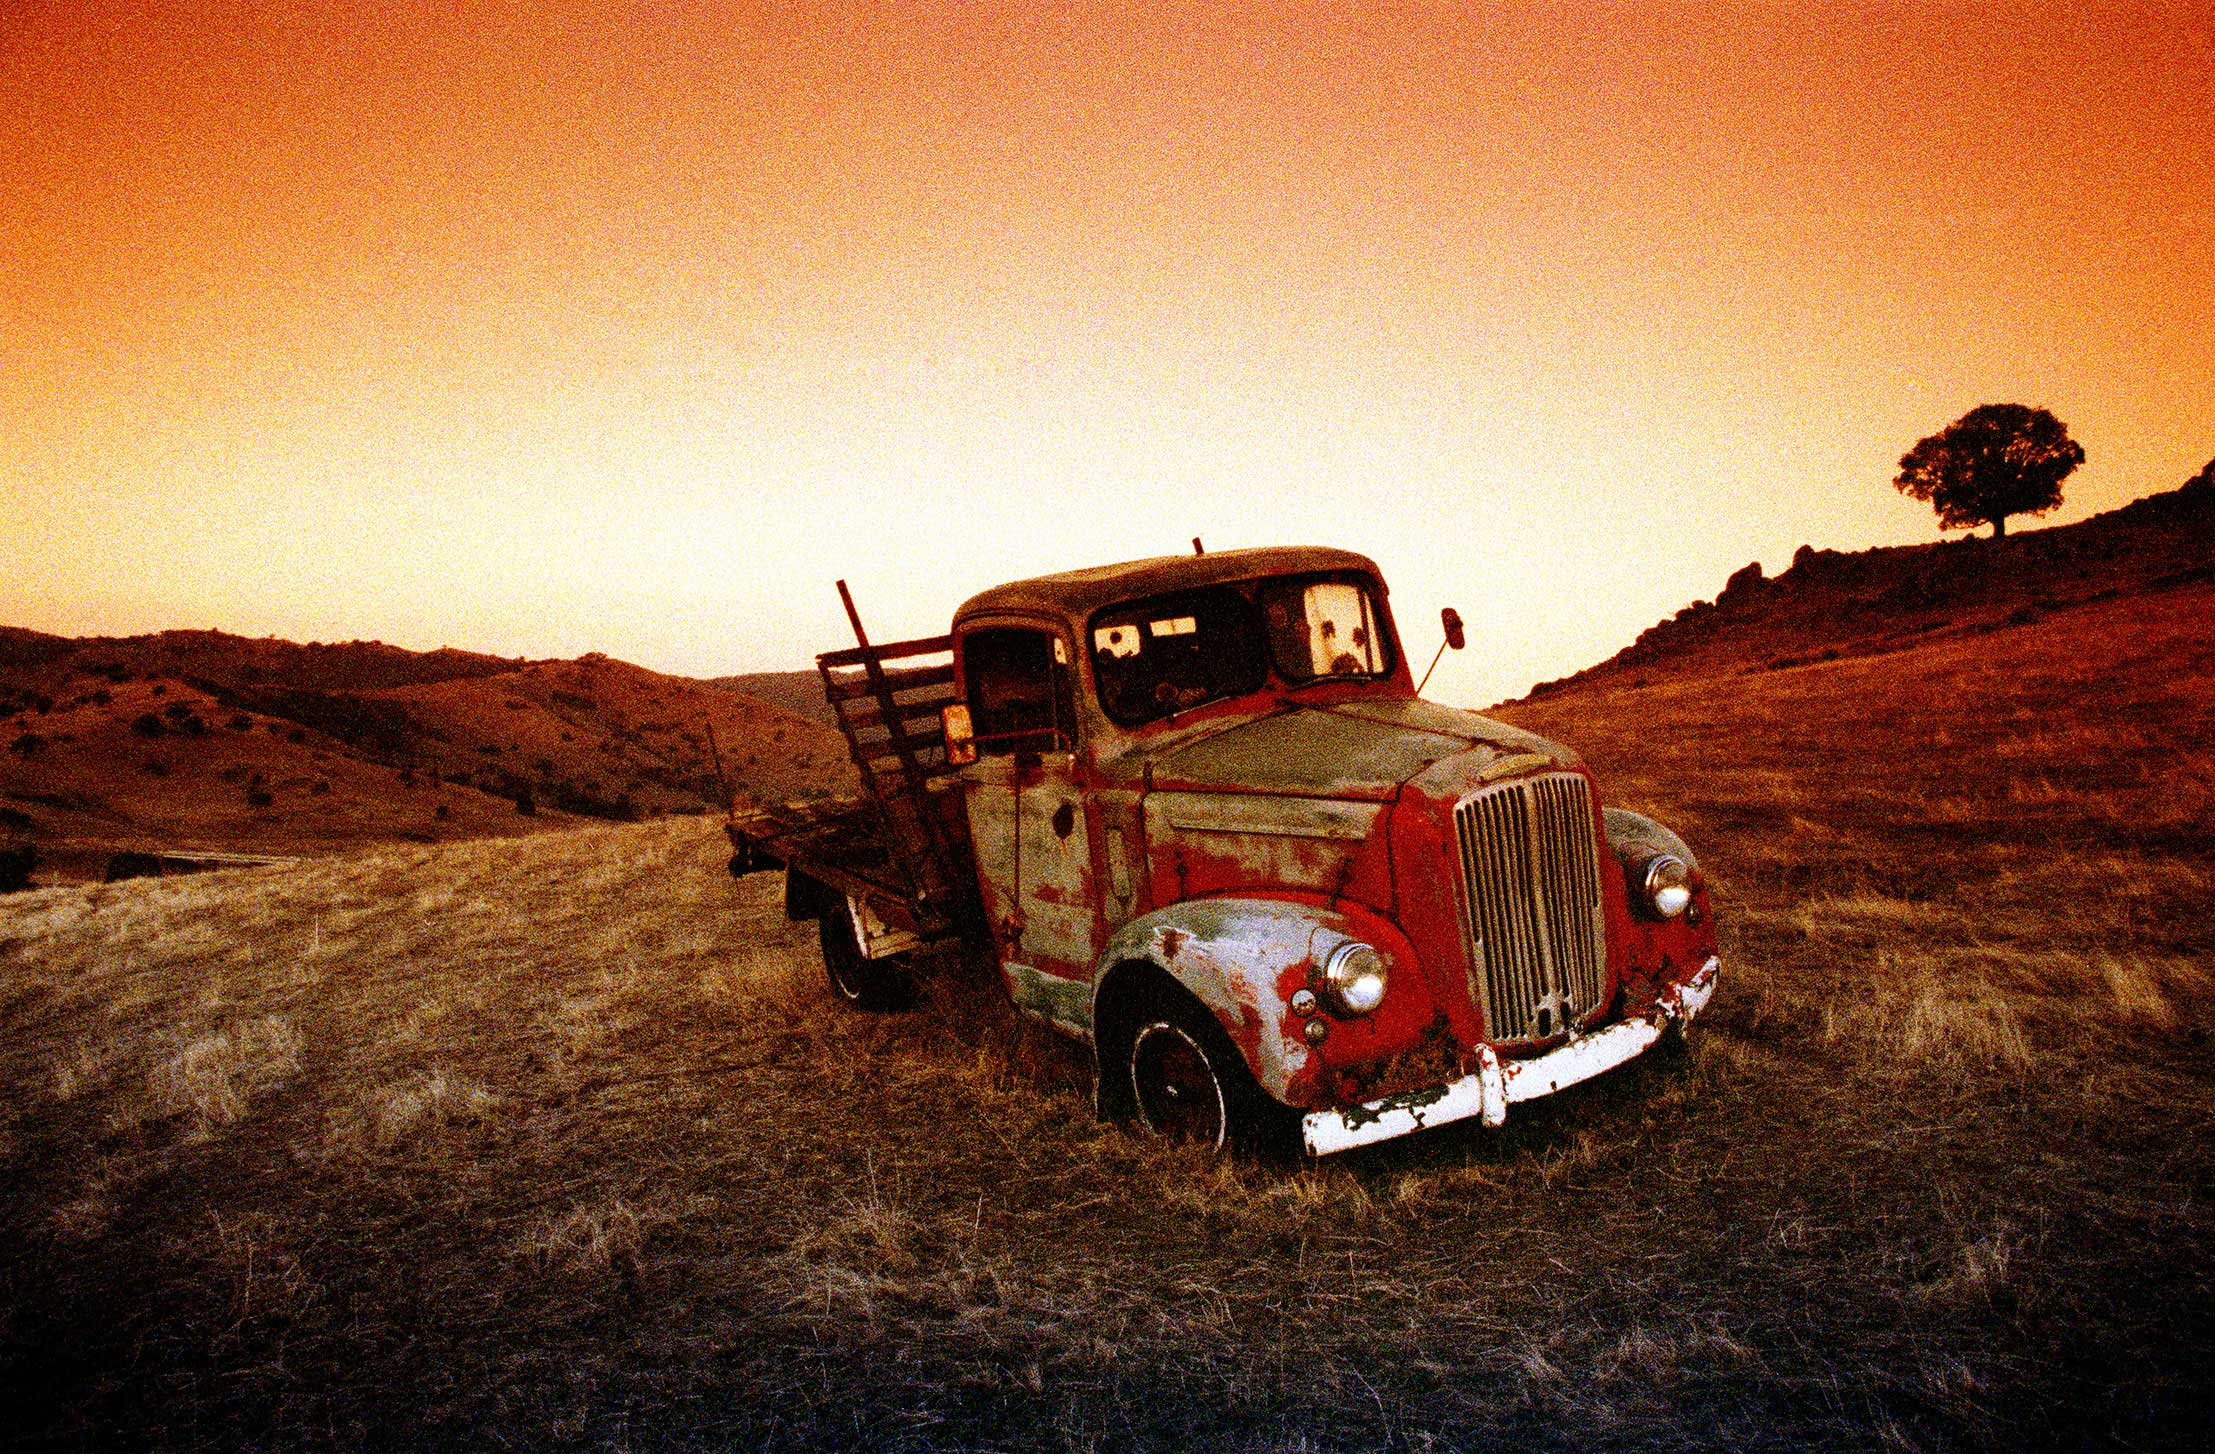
1186	1082
856	979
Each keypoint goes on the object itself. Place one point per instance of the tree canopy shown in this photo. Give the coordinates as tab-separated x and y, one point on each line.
1995	461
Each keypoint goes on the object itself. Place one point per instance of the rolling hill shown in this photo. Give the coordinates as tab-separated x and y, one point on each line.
797	692
193	743
1831	604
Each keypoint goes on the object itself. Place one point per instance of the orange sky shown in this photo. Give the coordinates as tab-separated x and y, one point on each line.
550	328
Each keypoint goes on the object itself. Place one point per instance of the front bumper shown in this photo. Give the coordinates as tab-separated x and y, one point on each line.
1498	1084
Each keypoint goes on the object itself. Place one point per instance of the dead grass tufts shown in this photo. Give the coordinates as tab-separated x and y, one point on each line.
863	1261
878	1263
214	1078
1659	1355
1980	1269
1538	1365
89	1213
1584	1150
869	1239
2136	989
591	1237
1974	1030
1867	912
424	1105
1920	1016
85	1069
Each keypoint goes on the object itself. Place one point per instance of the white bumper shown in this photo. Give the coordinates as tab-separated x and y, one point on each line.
1498	1084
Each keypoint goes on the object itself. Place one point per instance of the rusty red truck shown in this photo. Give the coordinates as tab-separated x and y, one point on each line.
1197	815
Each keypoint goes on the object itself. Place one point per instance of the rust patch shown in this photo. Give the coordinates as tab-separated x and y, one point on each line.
1171	941
1431	1061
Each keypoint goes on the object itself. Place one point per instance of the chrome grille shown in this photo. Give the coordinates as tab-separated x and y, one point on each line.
1530	900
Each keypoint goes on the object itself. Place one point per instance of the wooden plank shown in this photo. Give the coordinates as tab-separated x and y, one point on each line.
900	743
899	679
862	718
861	655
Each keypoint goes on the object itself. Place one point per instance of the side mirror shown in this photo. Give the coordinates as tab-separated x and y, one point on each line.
1455	637
961	737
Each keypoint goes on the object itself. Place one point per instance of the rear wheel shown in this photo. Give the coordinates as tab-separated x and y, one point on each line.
864	983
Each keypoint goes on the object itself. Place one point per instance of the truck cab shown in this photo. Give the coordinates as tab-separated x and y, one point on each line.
1201	820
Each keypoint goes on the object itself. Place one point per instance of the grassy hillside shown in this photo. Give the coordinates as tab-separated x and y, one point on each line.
1832	604
560	1141
193	740
797	692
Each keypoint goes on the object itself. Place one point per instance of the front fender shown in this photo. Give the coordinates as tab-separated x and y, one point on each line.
1242	958
1634	837
1660	952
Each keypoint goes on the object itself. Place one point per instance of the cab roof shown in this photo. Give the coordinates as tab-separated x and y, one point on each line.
1078	593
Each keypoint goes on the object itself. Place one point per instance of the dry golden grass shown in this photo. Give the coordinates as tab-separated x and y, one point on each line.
561	1142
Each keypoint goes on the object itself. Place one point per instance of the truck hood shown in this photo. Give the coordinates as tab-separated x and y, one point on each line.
1363	749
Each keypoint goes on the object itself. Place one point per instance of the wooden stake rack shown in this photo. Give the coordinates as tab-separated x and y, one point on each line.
887	700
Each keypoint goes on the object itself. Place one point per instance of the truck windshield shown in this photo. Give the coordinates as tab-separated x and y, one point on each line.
1167	654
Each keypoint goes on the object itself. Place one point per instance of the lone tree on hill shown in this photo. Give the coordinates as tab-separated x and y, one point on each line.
1995	461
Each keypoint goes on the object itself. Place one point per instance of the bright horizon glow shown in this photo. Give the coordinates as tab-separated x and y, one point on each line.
586	328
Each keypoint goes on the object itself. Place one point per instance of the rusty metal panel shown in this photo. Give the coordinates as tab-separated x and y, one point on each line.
1243	813
1029	833
1305	753
1531	908
1207	843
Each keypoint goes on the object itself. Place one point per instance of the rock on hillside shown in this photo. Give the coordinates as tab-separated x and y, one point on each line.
1832	604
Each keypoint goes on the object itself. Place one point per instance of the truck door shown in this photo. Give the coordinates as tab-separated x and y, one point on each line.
1028	821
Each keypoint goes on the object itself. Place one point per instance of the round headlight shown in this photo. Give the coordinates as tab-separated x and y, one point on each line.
1668	885
1354	975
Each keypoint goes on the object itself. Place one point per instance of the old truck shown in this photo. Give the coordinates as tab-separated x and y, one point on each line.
1197	816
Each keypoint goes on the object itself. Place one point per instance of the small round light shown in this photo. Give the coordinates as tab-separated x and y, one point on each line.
1668	885
1303	1002
1317	1031
1355	977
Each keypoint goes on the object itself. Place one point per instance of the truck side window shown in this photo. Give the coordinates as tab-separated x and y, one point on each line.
1021	695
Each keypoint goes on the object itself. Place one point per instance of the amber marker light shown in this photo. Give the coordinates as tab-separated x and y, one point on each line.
961	737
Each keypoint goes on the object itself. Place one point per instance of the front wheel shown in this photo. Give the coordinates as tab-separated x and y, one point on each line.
1187	1083
858	980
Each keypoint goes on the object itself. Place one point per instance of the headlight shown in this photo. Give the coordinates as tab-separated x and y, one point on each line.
1667	885
1354	977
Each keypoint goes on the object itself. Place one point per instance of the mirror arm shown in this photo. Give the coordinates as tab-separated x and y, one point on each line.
1426	681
